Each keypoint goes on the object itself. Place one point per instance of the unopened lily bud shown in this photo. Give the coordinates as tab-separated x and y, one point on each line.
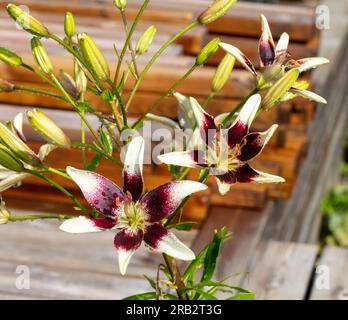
4	213
47	128
207	52
269	75
223	72
17	146
6	86
69	25
279	89
215	11
41	57
120	4
93	57
80	79
10	58
9	161
68	84
26	21
145	40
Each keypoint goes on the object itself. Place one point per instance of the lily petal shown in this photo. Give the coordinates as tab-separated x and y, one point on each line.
190	159
127	242
161	240
254	143
246	174
18	126
11	180
311	63
283	43
240	56
133	169
309	95
84	224
100	192
205	121
266	44
225	181
164	200
244	120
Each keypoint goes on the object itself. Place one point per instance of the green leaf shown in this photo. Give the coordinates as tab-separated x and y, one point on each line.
212	254
94	163
107	96
243	296
182	226
203	294
84	107
195	265
143	296
106	140
150	281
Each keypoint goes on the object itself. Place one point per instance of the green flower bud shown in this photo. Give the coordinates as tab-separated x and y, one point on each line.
47	128
9	161
106	140
6	86
69	25
80	79
145	40
207	52
215	11
26	21
120	4
223	72
41	57
279	89
68	84
4	213
93	57
269	75
10	58
18	147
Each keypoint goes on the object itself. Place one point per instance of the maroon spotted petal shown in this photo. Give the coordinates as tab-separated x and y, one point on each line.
164	200
127	240
154	234
245	174
101	193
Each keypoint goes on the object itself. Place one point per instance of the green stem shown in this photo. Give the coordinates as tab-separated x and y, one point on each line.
38	91
130	46
176	276
128	39
60	188
154	58
58	172
166	95
238	107
209	99
39	74
119	98
83	141
39	217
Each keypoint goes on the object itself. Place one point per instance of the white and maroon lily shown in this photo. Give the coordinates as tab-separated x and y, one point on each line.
226	152
136	217
275	60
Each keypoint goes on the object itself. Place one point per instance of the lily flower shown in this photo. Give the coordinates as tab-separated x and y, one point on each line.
227	152
136	217
275	60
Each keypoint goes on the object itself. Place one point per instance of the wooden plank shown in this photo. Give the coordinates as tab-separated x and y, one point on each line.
334	261
280	270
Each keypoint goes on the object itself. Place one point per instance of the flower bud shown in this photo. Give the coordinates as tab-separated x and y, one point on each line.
145	40
223	72
68	84
69	25
80	79
41	57
9	161
17	146
279	89
6	86
215	11
120	4
10	58
47	128
4	213
93	57
26	21
207	52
